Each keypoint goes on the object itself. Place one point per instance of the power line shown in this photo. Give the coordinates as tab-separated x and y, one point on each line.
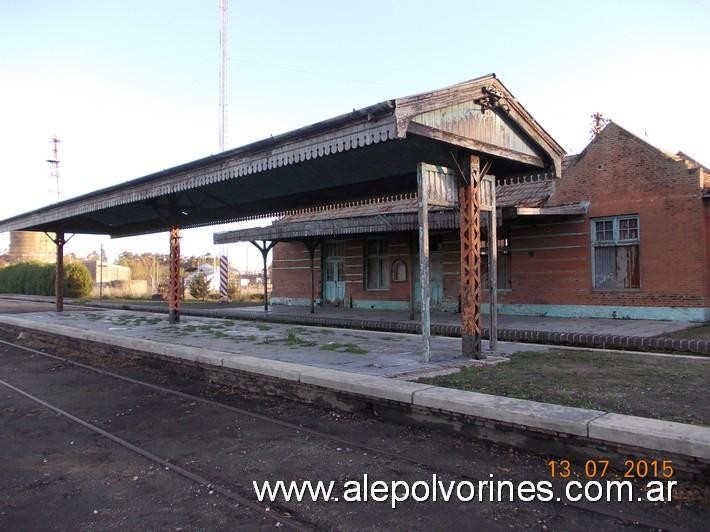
313	73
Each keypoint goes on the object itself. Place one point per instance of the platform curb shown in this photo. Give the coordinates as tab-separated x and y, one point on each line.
616	429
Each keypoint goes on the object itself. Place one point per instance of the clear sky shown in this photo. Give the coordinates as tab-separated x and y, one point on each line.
131	87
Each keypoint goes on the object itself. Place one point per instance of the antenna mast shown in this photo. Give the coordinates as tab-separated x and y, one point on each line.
54	162
223	70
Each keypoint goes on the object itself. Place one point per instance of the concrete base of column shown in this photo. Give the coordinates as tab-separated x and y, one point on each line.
471	347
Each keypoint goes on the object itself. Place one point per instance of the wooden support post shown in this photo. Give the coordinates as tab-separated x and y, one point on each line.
174	285
264	248
493	277
59	240
470	218
423	204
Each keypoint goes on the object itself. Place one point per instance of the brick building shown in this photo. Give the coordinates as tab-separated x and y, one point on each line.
622	234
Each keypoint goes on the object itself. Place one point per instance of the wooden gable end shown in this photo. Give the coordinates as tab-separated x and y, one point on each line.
469	120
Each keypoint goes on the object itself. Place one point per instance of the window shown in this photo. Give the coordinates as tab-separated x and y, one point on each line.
615	253
376	277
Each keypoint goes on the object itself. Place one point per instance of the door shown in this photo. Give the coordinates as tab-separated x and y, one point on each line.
334	289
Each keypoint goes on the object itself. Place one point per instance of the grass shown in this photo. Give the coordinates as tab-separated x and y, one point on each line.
294	340
344	348
641	385
696	332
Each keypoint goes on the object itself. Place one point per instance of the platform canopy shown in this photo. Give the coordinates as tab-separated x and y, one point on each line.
371	152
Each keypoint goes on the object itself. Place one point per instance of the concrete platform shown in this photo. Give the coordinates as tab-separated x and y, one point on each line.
297	355
362	352
624	334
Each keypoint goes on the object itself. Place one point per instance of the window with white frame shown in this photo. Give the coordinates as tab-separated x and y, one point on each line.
615	252
376	272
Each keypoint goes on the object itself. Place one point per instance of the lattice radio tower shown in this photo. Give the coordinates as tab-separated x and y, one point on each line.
54	167
223	70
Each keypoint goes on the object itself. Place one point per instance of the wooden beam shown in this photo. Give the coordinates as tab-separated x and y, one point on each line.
424	282
470	232
561	210
482	148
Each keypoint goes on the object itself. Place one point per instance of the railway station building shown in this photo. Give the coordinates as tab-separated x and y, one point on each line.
621	233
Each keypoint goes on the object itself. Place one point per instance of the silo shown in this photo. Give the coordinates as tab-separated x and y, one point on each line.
31	246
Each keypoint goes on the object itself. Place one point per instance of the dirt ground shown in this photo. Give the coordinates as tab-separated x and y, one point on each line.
58	476
669	388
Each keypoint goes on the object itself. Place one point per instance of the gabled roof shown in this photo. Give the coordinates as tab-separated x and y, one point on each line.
571	160
367	153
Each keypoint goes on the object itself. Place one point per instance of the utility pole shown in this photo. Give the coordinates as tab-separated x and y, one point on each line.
223	70
54	162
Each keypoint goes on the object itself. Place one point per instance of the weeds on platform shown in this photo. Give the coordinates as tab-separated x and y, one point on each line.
344	348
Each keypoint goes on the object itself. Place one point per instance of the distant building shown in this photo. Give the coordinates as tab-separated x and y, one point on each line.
106	273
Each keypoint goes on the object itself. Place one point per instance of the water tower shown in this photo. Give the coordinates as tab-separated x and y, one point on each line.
29	245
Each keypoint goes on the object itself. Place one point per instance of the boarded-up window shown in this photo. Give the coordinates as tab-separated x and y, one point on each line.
376	273
615	253
399	271
505	275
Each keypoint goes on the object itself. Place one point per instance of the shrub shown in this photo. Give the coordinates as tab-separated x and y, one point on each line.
27	278
77	280
35	278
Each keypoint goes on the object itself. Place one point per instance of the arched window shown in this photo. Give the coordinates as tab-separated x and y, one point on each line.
399	271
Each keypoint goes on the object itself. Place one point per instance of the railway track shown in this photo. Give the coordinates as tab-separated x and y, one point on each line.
235	491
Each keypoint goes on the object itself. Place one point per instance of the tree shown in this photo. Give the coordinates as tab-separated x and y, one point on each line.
199	286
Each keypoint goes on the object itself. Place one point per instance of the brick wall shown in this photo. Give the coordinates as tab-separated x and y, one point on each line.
621	174
291	268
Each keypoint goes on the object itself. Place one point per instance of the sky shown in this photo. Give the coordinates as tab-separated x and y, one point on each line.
132	87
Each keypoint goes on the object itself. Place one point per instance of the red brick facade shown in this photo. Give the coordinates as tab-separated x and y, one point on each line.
551	257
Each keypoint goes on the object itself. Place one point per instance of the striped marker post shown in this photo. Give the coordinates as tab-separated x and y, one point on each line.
224	278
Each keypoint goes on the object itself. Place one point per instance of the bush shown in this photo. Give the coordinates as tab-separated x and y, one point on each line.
34	278
77	280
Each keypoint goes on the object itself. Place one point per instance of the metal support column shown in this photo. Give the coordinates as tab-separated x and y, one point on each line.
174	285
423	204
264	248
470	218
311	246
59	240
